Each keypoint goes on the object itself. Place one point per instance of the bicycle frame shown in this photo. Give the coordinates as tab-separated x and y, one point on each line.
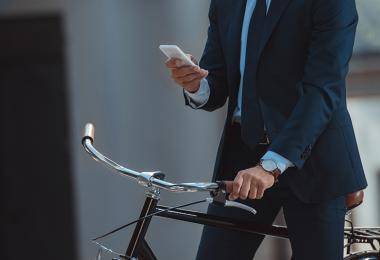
138	247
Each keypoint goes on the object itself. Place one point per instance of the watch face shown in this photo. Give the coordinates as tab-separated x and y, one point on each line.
269	165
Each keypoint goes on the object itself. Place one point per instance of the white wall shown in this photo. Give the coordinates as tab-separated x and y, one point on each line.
365	114
118	81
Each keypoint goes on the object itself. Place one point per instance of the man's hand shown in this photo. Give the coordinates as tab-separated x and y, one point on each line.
188	77
250	183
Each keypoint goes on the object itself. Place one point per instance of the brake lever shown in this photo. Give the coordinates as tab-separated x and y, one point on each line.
219	198
233	204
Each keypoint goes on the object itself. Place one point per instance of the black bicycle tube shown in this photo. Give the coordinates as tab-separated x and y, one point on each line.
141	227
222	222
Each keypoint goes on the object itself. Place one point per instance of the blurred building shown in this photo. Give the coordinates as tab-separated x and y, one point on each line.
115	78
364	105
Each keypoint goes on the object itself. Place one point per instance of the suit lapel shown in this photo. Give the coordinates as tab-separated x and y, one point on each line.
276	9
237	8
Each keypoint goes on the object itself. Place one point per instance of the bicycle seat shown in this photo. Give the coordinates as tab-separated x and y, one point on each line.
354	199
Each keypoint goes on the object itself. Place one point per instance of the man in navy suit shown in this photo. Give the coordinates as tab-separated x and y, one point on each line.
288	139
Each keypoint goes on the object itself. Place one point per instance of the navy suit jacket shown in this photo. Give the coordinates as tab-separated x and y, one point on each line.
301	69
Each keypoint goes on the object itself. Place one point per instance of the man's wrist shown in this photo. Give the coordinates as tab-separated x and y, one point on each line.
270	167
282	163
193	91
267	173
200	97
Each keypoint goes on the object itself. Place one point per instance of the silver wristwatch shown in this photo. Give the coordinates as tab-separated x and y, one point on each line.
271	167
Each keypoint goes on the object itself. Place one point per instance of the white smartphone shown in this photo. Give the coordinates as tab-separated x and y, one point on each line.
173	51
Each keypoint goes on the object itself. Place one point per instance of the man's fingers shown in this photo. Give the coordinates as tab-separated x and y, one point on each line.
193	59
236	187
204	73
195	76
253	192
188	80
229	186
245	189
252	182
184	71
172	63
191	78
260	192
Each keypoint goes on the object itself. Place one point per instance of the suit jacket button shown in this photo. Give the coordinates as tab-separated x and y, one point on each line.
306	153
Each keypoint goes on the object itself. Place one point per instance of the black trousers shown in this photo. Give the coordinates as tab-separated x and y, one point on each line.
315	230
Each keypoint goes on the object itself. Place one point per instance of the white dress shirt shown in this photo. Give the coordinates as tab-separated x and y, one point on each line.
200	98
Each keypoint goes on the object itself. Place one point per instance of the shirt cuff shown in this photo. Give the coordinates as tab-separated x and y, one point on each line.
282	163
199	98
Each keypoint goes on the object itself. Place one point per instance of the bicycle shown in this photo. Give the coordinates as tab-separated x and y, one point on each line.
138	248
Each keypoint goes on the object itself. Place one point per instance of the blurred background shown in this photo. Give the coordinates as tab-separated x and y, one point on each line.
64	63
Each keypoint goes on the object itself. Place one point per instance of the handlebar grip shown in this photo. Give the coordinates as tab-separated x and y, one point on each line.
89	132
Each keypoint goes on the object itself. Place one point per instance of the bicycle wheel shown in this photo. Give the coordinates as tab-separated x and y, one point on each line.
368	255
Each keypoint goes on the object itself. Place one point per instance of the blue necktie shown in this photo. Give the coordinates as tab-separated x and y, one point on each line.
252	123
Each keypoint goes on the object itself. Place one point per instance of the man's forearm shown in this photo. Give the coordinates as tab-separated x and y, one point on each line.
323	84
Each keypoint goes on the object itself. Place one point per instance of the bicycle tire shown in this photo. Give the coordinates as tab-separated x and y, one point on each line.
367	255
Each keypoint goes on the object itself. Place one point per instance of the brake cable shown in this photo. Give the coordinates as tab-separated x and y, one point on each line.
147	216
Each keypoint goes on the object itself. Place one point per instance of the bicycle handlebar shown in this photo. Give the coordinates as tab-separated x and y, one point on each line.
146	179
154	179
89	132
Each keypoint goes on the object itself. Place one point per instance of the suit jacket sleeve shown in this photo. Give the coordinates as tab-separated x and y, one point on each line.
213	61
323	83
